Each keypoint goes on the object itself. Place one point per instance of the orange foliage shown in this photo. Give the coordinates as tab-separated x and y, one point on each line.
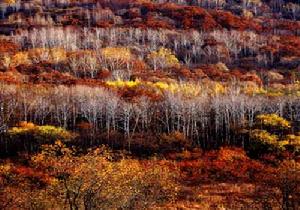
33	175
11	77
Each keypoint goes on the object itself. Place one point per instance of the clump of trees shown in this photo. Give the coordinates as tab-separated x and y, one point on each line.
206	114
273	135
163	58
88	181
28	137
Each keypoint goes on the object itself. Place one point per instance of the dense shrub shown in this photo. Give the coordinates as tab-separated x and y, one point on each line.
228	164
28	137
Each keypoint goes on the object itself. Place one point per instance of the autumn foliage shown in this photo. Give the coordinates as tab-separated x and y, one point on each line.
149	104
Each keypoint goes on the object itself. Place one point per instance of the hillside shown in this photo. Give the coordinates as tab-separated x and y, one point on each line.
150	104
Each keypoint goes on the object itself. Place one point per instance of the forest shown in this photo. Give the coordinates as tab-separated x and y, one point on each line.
150	104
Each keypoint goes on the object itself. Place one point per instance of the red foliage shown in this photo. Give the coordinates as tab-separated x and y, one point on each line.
215	74
183	73
54	77
186	16
229	21
289	46
237	73
32	175
11	77
252	77
104	74
280	24
226	164
152	22
7	46
139	66
34	69
199	73
231	164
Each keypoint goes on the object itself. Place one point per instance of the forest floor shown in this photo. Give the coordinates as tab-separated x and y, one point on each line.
214	196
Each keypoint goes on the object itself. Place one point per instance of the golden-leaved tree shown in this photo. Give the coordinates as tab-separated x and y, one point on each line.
97	181
272	135
117	57
162	58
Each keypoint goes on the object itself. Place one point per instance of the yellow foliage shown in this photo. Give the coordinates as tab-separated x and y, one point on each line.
57	149
6	61
117	53
276	90
186	89
58	54
48	131
5	169
37	54
165	57
20	58
264	136
42	133
274	93
282	144
219	88
273	120
120	84
160	85
23	127
293	139
254	90
272	141
111	184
